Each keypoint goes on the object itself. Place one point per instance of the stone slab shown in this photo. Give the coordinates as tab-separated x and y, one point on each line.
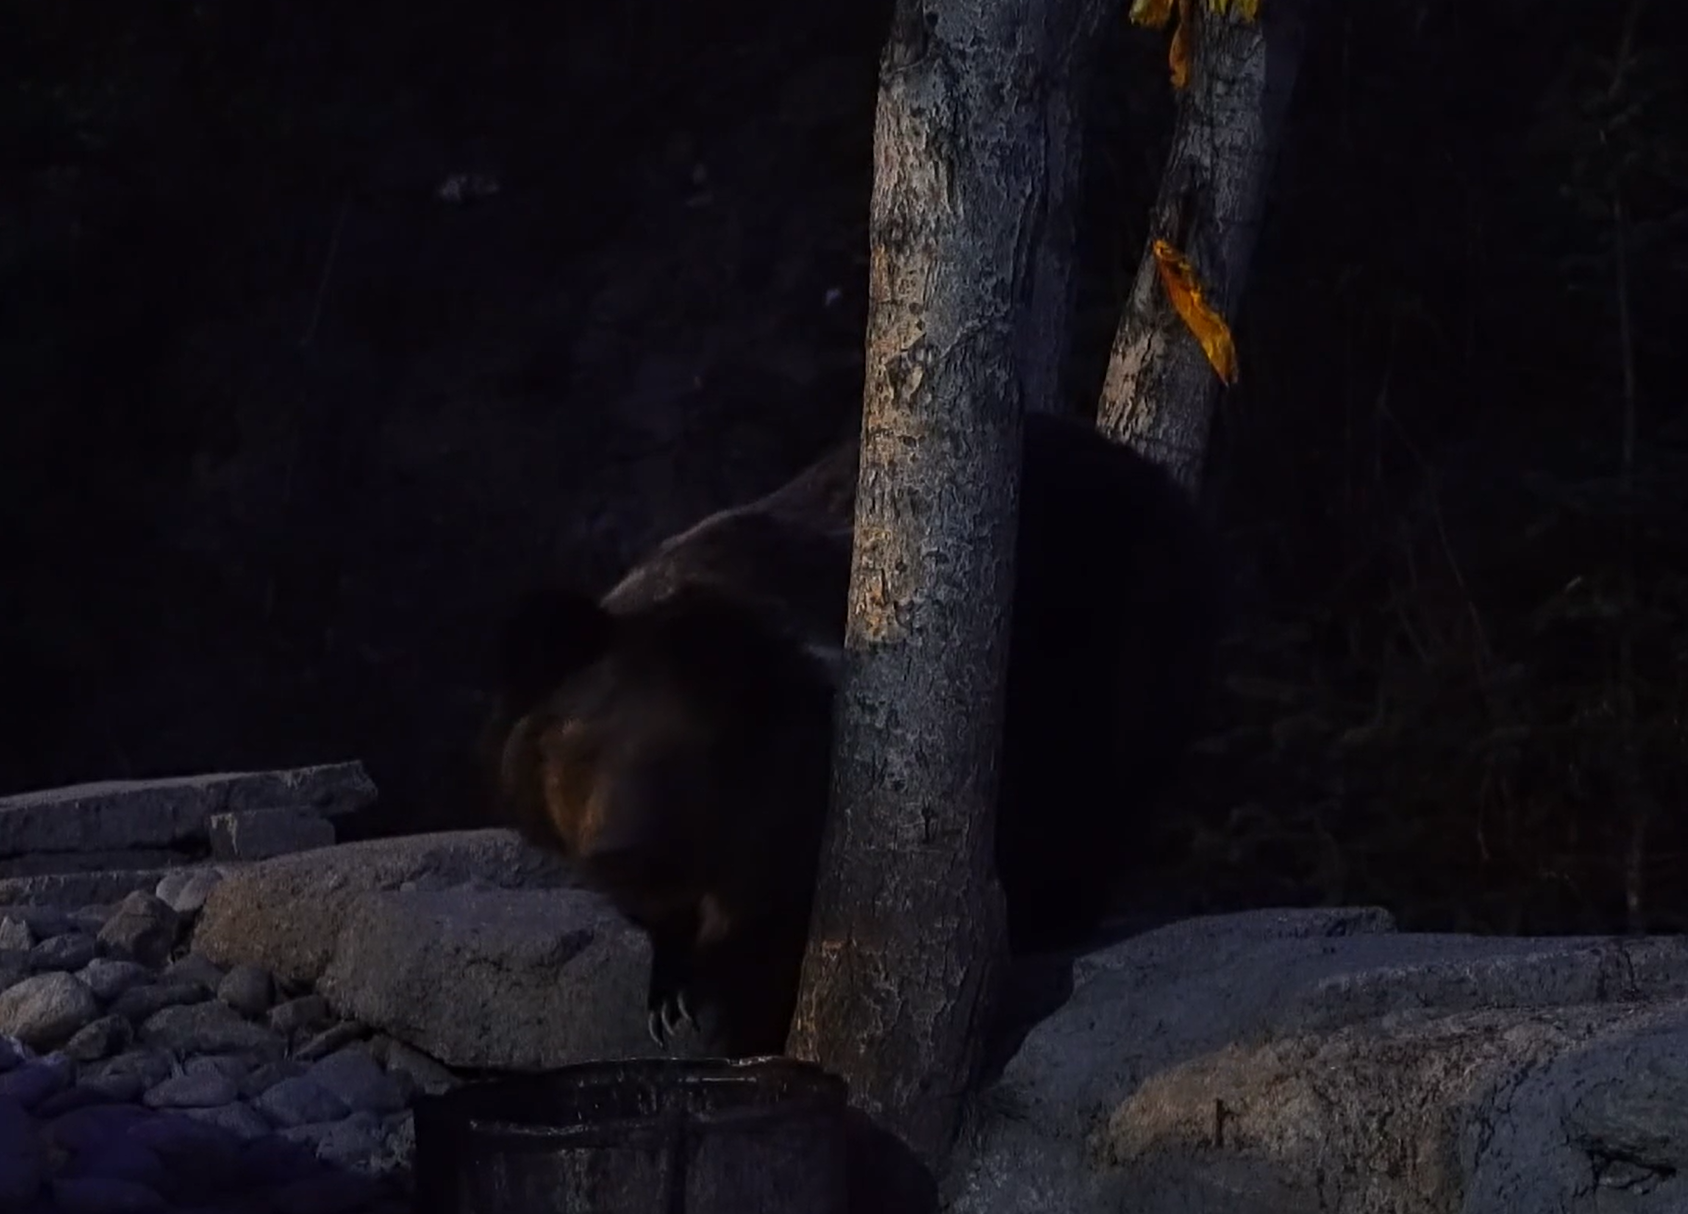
518	980
285	914
73	890
39	864
159	813
261	834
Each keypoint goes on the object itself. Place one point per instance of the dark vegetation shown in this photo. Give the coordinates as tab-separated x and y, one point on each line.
281	430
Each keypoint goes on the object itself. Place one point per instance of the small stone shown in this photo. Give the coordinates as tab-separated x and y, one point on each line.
16	934
425	1073
35	1081
185	890
248	989
140	1003
231	1066
197	969
134	1071
265	1077
203	1090
94	1196
296	1102
47	1009
99	1039
330	1039
241	1120
296	1015
143	929
68	952
210	1028
356	1078
108	978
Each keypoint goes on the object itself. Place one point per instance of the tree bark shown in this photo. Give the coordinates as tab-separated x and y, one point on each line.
1160	391
965	323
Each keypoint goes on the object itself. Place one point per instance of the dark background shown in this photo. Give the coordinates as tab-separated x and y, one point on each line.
281	430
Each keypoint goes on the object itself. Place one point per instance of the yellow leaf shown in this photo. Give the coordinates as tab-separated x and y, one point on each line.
1152	14
1178	276
1179	54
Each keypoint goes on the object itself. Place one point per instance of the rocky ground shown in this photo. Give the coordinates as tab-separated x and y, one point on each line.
137	1074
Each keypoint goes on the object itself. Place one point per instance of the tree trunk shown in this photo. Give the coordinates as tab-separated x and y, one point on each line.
1160	391
964	323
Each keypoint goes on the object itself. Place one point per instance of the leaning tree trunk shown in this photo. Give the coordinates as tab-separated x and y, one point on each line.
908	931
1160	390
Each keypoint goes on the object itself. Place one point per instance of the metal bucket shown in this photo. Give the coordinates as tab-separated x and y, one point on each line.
641	1136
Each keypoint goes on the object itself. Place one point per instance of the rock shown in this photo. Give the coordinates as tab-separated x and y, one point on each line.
296	1015
203	1158
108	978
192	1090
248	989
197	969
330	1039
157	813
517	980
417	1069
1284	1061
259	834
99	1039
347	1143
185	890
71	951
209	1028
241	1120
140	1003
261	1079
35	1081
285	914
143	929
86	1129
231	1066
296	1102
22	1168
44	1011
12	1053
68	1100
119	1159
15	935
357	1079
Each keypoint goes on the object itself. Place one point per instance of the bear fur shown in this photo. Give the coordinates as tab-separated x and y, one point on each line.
674	738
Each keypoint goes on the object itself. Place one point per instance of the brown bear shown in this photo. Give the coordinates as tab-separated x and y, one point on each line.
674	738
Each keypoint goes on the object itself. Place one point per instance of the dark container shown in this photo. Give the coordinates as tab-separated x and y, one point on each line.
642	1136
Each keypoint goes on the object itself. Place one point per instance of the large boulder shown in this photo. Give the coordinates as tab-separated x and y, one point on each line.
285	914
516	980
1279	1062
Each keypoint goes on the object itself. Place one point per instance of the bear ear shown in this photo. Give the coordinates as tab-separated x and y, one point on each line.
552	632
